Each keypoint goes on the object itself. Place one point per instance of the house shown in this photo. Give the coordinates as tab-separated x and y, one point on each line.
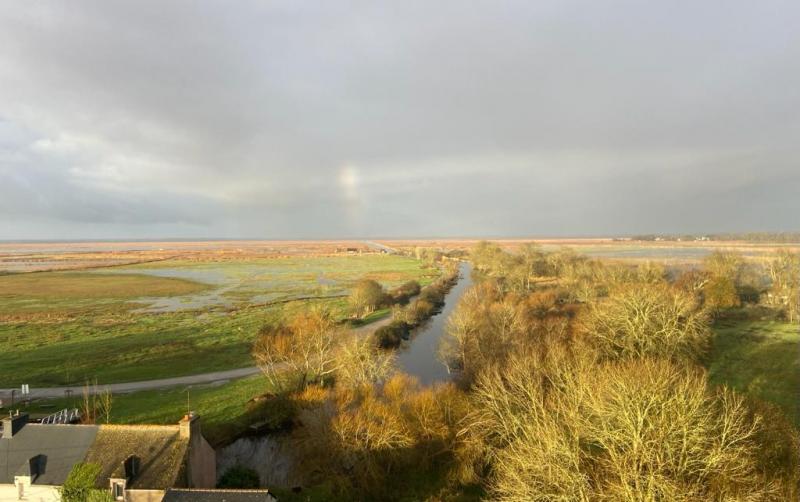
35	459
138	463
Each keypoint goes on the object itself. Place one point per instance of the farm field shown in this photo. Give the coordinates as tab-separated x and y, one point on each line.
167	318
760	358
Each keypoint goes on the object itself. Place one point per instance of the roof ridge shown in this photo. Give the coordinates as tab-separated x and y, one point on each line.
170	427
226	490
60	425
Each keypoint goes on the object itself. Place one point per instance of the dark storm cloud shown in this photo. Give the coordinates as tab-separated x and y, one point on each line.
287	119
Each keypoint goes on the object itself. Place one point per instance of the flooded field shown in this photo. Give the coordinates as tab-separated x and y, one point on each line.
169	318
254	282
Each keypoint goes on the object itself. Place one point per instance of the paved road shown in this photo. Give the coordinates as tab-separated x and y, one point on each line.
369	328
380	247
204	378
200	379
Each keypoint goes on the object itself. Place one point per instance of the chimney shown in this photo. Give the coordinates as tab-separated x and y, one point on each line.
13	424
201	465
189	426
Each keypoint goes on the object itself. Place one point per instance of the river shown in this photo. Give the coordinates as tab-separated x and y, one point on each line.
420	356
271	455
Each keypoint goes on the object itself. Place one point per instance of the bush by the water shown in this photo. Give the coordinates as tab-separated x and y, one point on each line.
429	302
391	335
433	294
403	293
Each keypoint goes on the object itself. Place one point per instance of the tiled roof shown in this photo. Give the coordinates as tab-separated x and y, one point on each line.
159	448
60	447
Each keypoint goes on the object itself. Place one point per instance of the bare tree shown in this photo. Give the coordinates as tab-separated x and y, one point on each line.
648	320
784	274
95	403
366	296
359	437
360	363
105	401
89	403
557	428
483	328
290	354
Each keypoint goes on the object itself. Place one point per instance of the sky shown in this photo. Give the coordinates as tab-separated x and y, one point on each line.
271	119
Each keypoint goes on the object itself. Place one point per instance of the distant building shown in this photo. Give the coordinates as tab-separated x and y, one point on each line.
139	463
348	250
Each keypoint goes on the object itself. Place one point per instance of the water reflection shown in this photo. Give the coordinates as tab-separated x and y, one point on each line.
420	357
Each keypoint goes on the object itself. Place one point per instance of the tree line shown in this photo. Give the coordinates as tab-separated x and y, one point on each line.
427	303
584	383
765	237
574	379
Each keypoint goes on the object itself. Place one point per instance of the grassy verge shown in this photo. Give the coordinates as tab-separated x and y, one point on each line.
370	318
761	358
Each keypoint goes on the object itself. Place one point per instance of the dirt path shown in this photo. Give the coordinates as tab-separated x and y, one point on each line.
199	379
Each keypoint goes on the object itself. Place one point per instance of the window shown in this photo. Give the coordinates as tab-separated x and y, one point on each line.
118	492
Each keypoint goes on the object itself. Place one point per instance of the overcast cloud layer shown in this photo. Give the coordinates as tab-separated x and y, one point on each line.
345	119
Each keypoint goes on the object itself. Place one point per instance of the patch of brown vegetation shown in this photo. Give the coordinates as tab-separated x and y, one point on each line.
41	256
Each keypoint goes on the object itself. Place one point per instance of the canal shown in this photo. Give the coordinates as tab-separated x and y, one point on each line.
420	356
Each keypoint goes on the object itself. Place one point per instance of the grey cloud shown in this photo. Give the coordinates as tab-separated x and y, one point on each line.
522	118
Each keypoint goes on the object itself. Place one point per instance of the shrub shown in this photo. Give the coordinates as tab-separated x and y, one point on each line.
391	335
366	296
239	477
720	293
80	485
273	412
542	303
433	294
403	293
417	313
749	294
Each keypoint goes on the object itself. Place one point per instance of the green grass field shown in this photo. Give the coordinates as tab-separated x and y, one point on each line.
222	407
69	327
761	358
